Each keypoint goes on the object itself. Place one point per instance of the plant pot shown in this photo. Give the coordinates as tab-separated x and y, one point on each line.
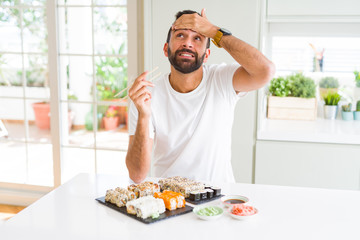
111	123
347	116
292	108
357	115
42	115
330	111
325	91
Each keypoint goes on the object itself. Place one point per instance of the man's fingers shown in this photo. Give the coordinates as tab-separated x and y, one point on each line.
203	13
135	95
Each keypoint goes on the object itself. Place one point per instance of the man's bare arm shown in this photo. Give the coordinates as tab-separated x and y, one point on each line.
255	70
138	157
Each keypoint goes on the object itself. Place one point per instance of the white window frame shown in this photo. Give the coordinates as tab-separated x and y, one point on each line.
25	194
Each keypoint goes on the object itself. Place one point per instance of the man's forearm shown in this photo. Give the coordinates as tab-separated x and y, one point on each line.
138	157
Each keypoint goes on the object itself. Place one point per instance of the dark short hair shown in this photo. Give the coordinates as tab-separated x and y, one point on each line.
179	14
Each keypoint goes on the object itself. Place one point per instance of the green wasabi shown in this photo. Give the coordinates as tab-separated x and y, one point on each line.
209	211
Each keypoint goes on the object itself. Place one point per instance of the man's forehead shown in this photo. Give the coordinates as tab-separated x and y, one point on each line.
185	30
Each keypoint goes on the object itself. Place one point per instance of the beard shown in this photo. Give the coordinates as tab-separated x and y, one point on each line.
185	65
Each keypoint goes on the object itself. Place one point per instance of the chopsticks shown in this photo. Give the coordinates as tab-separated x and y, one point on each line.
127	88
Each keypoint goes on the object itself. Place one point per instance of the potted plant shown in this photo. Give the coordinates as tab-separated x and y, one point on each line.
328	84
346	113
42	114
293	98
111	120
357	111
357	85
331	105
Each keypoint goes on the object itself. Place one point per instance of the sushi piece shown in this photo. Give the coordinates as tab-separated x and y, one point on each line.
172	200
145	207
144	189
217	191
203	194
119	196
180	184
194	196
210	193
207	186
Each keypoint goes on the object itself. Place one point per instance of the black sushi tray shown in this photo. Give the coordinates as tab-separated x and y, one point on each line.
198	202
166	215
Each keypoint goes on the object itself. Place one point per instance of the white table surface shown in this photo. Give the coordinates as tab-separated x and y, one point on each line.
71	212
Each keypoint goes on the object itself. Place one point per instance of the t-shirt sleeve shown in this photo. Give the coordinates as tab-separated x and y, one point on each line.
223	77
133	119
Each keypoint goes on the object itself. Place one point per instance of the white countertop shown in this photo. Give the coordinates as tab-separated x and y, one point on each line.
71	212
320	131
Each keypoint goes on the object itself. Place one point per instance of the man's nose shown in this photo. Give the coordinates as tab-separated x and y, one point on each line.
188	43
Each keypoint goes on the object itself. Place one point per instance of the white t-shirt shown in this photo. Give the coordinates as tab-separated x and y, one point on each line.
192	131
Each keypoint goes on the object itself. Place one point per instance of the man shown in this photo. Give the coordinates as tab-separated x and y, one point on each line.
188	114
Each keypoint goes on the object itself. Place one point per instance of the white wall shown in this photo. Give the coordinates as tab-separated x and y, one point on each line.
242	19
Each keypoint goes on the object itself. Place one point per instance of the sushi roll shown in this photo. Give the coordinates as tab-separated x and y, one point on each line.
217	191
119	196
210	193
194	196
172	200
203	194
145	207
207	186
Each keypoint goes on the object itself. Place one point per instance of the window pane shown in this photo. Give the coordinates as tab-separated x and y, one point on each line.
111	162
12	161
39	121
34	2
77	161
74	2
76	77
113	132
10	72
75	28
12	116
34	30
10	30
40	170
111	2
36	72
81	133
111	77
110	30
297	53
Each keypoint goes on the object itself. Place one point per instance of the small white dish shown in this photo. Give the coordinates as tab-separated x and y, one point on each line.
205	217
239	217
230	200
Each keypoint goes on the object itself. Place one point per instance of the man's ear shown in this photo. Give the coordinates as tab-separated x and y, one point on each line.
166	49
207	54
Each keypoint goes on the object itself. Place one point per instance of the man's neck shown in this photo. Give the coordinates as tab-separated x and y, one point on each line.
185	83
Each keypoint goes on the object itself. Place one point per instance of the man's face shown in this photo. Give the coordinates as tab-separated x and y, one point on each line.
186	50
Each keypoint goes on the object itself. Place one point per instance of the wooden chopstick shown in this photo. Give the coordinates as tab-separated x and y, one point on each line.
130	86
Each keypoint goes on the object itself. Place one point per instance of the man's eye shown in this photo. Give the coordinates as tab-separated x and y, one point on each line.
180	35
197	38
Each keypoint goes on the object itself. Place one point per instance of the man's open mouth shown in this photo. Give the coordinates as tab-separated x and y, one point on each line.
186	54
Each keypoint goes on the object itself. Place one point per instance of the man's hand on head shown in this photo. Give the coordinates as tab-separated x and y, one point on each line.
196	23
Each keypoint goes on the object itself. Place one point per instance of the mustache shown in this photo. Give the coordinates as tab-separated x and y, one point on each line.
185	50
